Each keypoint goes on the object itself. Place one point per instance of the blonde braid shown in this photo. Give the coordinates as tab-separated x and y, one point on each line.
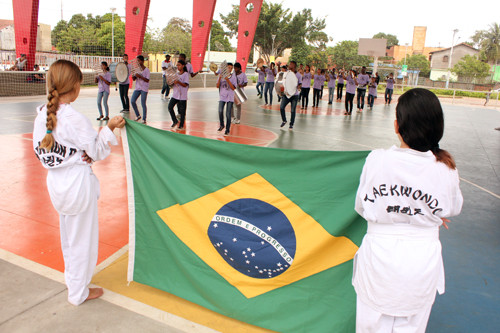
52	107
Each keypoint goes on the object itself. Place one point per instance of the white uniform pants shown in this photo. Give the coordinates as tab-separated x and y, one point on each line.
371	321
79	243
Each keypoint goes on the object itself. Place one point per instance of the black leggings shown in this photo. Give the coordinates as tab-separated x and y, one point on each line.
316	96
349	99
304	92
340	87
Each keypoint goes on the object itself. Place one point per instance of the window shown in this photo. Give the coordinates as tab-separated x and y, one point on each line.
446	58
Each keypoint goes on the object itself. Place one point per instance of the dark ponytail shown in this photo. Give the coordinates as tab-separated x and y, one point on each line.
421	123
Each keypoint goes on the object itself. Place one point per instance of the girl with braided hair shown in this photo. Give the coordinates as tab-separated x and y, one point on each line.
66	144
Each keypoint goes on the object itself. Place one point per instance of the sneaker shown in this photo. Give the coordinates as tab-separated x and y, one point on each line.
105	118
144	122
99	118
291	127
220	129
180	128
283	124
125	111
174	124
236	121
138	118
226	132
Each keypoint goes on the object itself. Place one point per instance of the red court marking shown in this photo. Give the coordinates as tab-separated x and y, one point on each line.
29	225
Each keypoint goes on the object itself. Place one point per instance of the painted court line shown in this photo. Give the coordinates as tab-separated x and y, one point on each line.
148	311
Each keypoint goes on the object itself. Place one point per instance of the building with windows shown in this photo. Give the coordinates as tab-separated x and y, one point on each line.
440	60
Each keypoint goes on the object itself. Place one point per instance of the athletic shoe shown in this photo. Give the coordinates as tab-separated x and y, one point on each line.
174	124
99	118
291	127
236	121
105	118
144	122
220	129
283	124
226	132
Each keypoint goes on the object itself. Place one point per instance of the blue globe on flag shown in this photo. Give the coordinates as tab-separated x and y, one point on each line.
254	237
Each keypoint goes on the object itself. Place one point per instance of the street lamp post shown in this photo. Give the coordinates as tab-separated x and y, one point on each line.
449	60
113	34
273	36
406	51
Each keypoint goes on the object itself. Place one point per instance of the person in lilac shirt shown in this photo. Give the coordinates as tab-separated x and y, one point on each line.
242	81
261	80
293	100
319	81
179	96
270	75
389	89
372	92
331	85
189	67
350	91
141	89
363	80
226	98
123	87
340	85
306	86
103	81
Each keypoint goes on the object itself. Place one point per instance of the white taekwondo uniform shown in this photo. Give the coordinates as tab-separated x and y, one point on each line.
403	194
74	190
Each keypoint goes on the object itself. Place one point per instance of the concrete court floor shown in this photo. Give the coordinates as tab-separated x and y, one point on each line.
470	248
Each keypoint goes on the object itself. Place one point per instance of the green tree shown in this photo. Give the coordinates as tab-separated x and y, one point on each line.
218	39
289	30
471	69
488	41
176	36
391	39
300	54
345	55
417	62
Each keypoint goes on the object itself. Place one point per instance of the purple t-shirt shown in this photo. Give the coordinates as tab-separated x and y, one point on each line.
331	83
390	84
189	68
101	84
181	93
351	85
242	79
341	79
141	84
270	75
319	81
226	94
363	80
262	76
372	90
306	80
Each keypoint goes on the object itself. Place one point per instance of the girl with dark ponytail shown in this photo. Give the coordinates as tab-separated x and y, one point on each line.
66	144
405	194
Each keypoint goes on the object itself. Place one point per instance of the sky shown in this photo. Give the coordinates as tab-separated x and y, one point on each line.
346	19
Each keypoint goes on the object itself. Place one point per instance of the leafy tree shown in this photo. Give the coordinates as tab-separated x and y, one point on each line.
345	55
218	39
417	62
300	54
391	39
470	68
174	38
289	30
488	41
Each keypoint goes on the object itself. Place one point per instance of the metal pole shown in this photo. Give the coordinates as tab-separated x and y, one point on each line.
113	34
449	60
272	51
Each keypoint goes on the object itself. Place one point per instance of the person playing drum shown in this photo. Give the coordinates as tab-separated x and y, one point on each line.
292	99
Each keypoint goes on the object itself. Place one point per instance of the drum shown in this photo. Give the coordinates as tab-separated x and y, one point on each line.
240	96
119	72
171	75
278	83
290	82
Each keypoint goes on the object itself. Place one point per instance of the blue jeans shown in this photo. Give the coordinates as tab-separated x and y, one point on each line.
371	99
361	98
330	94
229	110
166	88
103	95
388	95
293	103
259	87
269	87
144	96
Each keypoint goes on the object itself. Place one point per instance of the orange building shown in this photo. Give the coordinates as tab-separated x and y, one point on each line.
398	52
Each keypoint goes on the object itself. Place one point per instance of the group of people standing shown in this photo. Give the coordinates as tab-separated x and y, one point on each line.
355	84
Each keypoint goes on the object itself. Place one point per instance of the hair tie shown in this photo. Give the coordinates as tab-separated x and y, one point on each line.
49	131
436	147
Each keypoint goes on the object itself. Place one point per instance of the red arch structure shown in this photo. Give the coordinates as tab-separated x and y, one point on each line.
26	24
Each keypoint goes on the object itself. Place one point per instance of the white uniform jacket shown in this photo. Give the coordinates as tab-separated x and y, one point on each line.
71	183
403	194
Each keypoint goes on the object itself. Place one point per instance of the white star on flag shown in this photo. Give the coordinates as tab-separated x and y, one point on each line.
253	254
269	228
234	239
248	261
278	264
262	242
249	249
215	225
243	252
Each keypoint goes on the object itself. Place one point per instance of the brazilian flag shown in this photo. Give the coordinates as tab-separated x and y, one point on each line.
263	235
